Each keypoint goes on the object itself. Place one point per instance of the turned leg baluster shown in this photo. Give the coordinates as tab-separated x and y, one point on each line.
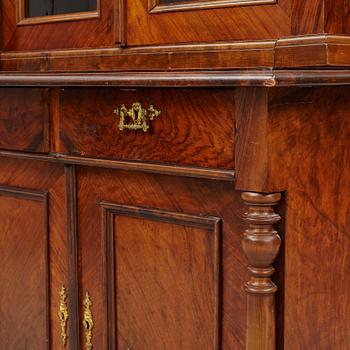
261	244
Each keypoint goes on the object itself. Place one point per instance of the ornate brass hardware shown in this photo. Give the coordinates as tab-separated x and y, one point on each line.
137	117
63	315
88	322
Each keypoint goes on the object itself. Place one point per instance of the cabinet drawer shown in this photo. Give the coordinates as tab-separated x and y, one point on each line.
24	119
195	127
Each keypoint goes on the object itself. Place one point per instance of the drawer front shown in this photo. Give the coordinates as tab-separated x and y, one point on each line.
24	119
195	127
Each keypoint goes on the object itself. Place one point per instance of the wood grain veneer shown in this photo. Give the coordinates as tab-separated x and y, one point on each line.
196	127
168	244
306	155
156	6
194	197
257	78
321	50
98	32
34	246
23	20
24	119
25	305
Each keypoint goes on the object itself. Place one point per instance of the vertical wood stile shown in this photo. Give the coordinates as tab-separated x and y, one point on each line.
261	244
73	263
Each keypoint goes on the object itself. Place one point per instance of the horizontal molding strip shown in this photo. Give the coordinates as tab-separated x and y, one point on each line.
138	79
177	170
304	51
271	78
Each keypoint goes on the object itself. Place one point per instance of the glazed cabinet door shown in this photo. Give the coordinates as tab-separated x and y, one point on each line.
33	256
192	21
154	251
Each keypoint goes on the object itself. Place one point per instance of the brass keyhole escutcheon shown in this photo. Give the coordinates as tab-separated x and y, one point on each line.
88	322
137	117
63	314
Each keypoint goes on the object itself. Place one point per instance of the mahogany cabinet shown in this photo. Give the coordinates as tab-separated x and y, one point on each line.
174	175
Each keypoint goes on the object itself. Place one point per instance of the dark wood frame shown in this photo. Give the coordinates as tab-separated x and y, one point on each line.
154	6
23	20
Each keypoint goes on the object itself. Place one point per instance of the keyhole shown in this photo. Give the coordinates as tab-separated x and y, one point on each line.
87	325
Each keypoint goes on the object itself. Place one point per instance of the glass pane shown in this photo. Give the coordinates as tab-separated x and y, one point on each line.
37	8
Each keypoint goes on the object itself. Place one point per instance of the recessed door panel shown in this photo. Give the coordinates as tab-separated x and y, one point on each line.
24	299
33	246
165	278
161	260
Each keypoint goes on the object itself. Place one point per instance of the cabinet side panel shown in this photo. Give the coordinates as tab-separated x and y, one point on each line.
309	146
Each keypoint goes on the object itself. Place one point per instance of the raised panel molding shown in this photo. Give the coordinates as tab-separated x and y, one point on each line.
111	212
22	318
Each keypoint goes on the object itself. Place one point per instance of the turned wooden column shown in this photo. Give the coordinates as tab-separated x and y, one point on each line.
261	245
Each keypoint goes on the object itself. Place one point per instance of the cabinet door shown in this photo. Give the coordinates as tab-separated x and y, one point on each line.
186	21
33	254
29	25
154	253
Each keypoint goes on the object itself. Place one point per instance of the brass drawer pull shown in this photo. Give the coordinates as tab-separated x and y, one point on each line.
63	315
88	322
136	118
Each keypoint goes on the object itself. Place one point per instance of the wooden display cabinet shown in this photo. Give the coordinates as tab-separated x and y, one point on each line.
174	175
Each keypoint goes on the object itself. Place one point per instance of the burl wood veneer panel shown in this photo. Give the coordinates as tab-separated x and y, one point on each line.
196	126
24	120
203	25
33	253
165	264
173	290
97	32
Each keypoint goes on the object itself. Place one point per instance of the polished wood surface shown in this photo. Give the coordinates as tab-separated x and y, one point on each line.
315	141
201	25
261	244
185	133
34	253
24	302
24	119
98	32
182	196
261	78
145	229
157	246
306	155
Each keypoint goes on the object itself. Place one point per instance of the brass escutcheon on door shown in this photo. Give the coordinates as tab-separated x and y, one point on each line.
88	322
63	314
137	117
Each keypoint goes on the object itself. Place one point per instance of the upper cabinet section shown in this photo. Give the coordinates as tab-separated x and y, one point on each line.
172	34
29	25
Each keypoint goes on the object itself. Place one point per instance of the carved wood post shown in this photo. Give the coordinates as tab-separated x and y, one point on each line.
261	245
